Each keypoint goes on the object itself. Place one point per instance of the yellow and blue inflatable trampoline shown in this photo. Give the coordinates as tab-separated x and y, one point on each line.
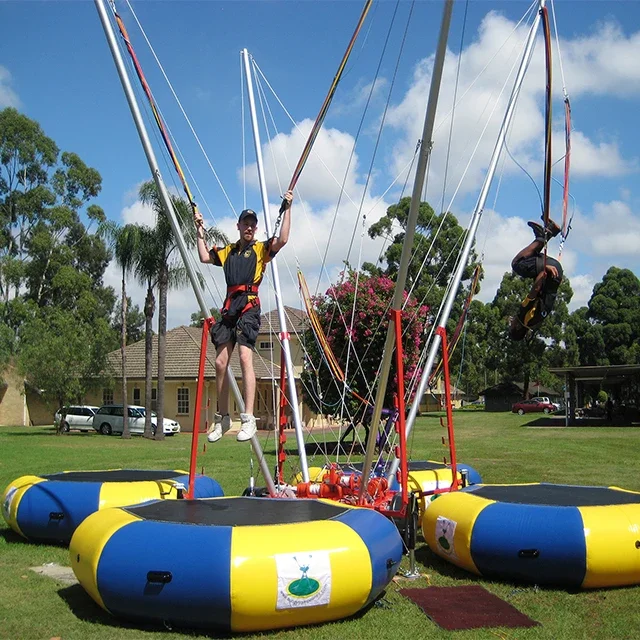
48	508
235	564
565	535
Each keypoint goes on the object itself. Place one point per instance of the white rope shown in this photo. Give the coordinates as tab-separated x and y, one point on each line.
184	113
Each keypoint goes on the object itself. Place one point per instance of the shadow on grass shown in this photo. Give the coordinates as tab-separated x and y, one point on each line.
35	431
11	537
559	421
85	609
434	562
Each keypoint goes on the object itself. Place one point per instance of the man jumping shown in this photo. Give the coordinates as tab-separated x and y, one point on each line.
547	275
244	263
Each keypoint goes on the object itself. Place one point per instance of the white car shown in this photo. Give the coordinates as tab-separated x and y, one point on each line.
108	420
78	417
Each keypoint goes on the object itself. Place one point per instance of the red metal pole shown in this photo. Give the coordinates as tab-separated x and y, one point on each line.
442	332
198	404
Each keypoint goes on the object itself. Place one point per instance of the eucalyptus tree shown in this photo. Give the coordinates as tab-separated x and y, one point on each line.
51	262
436	246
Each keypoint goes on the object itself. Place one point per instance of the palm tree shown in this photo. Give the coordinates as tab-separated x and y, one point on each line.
146	269
126	245
170	272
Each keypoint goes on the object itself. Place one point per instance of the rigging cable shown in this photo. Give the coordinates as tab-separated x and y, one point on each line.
547	146
323	112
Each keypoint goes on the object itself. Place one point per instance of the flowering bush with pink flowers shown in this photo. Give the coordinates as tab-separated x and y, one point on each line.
356	334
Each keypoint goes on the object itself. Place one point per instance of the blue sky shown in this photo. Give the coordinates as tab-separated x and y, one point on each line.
56	68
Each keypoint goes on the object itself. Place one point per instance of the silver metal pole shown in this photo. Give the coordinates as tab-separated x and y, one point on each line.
473	227
284	337
407	246
168	208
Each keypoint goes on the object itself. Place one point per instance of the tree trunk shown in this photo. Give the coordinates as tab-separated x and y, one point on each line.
126	434
149	308
163	286
527	378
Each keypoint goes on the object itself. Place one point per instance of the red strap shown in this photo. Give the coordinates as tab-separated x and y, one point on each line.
252	303
242	288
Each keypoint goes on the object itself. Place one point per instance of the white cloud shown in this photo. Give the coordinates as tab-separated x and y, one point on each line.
487	68
603	63
8	97
582	286
600	63
622	237
324	172
499	239
138	213
593	159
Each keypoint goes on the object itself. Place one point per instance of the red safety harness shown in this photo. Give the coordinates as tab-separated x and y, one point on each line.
236	290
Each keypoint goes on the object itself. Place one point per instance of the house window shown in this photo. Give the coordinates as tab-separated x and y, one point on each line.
266	345
183	400
136	396
154	399
107	396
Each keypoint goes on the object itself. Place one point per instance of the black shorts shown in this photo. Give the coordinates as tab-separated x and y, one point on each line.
243	330
530	267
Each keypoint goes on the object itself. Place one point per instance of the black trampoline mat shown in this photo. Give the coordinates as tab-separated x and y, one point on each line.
414	465
237	512
117	475
428	465
559	495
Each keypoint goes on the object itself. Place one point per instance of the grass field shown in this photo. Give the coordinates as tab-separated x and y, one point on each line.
500	446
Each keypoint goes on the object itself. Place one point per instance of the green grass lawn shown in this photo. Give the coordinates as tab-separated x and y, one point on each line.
498	445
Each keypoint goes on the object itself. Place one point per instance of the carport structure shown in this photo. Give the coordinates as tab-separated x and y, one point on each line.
620	381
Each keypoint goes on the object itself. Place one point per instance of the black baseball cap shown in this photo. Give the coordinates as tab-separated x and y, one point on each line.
247	213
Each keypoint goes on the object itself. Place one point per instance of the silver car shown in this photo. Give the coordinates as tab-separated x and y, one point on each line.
108	420
78	417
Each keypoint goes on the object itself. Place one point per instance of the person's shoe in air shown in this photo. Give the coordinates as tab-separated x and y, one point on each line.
221	424
248	427
538	230
552	229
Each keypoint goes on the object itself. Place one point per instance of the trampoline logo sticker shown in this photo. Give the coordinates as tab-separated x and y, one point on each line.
6	504
445	529
304	580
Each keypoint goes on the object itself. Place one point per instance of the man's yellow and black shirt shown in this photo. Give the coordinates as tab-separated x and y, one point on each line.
243	265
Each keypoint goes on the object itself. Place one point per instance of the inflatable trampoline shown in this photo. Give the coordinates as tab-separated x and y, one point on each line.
428	476
565	535
48	508
235	564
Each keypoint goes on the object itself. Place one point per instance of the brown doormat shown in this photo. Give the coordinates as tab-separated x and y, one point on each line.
467	607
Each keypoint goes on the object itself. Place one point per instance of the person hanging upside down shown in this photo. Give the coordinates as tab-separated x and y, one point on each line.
244	263
547	276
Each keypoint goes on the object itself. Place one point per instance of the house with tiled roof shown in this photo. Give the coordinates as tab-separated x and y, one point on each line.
181	372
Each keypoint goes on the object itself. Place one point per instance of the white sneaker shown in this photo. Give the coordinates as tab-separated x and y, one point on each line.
221	424
248	427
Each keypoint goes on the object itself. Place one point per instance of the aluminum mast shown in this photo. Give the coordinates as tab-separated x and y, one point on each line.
407	246
473	227
168	208
284	335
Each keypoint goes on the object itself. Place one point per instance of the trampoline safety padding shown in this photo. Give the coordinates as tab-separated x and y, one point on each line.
48	508
573	536
236	564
